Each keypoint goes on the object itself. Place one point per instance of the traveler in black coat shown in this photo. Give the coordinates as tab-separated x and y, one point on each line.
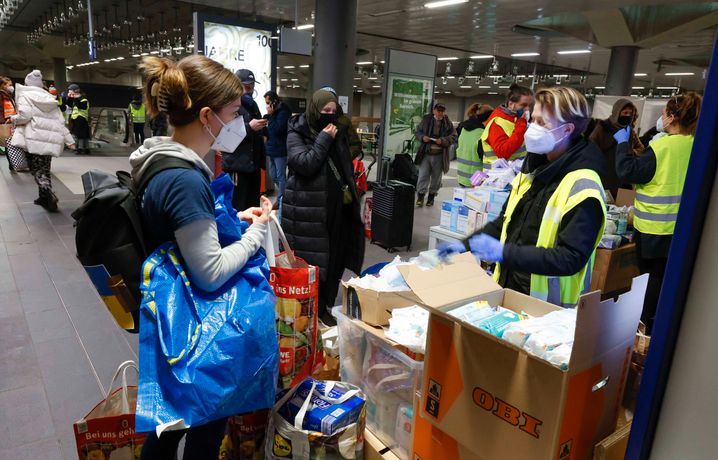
320	208
245	163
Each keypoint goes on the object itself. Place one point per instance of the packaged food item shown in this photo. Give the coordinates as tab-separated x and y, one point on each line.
404	428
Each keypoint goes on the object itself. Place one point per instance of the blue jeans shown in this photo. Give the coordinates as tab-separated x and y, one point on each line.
278	171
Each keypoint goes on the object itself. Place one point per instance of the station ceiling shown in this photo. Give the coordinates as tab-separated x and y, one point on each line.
674	37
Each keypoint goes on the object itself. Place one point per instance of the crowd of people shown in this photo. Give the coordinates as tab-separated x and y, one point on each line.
542	242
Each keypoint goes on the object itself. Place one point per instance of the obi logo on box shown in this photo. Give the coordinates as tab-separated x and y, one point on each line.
506	412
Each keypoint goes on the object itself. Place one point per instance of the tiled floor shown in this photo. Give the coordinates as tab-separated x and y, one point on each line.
58	344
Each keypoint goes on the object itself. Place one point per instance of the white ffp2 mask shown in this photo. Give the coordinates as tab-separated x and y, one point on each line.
230	136
540	140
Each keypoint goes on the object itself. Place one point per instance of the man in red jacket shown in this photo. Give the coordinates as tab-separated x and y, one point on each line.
505	128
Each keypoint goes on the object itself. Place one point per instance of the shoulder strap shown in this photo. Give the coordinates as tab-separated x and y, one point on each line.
157	167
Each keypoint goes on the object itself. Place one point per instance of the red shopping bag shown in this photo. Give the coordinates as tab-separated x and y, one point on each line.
108	431
296	285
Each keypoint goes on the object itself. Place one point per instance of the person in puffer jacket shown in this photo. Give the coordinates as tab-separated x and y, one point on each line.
41	131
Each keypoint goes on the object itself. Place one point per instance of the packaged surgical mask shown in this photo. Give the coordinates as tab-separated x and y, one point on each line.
230	136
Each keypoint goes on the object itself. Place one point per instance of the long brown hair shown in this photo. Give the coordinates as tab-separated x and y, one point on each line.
4	81
181	89
477	109
685	110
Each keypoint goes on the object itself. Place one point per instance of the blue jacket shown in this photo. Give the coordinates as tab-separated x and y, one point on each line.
277	127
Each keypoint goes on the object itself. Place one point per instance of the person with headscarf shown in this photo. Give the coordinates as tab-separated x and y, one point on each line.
320	208
624	114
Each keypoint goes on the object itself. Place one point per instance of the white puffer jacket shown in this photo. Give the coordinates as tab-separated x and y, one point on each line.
40	127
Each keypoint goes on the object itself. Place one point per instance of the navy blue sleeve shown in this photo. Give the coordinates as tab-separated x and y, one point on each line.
175	198
635	169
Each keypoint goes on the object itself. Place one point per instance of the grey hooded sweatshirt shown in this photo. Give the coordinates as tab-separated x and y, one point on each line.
209	264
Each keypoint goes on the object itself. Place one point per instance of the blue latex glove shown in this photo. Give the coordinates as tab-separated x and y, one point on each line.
448	249
622	135
487	248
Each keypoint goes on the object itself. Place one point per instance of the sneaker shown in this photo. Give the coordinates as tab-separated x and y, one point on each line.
420	201
430	200
50	202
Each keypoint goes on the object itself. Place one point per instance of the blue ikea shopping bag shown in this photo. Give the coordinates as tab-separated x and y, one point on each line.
204	356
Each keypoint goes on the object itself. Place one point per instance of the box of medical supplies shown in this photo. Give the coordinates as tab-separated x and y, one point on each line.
373	307
388	377
614	269
500	401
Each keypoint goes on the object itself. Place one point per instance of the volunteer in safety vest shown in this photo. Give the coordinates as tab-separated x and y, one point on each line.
659	173
469	152
136	109
545	238
79	118
504	133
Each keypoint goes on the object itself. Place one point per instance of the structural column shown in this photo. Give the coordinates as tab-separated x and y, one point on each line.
621	68
60	73
335	46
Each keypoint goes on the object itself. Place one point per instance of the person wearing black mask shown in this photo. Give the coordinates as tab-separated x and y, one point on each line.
624	114
245	163
320	208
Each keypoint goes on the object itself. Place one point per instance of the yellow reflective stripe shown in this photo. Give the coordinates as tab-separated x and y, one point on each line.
643	198
152	306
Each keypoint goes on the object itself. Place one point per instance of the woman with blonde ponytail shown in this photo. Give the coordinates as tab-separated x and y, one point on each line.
201	99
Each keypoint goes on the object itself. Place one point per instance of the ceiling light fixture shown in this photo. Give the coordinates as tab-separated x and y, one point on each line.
482	56
492	92
305	27
679	74
574	52
640	74
525	54
465	87
364	63
666	87
638	87
304	66
484	87
600	87
452	58
443	3
288	66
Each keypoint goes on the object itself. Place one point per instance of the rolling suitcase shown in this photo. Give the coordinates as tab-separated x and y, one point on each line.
392	217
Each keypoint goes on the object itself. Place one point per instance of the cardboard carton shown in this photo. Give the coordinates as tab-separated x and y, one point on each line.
460	193
373	307
375	450
431	443
613	447
614	269
625	197
501	402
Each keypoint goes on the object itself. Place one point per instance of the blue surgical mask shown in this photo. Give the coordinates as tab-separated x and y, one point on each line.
247	100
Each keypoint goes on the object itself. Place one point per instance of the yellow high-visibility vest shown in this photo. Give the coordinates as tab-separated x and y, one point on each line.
576	187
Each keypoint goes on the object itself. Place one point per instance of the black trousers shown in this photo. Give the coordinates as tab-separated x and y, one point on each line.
139	132
246	190
656	268
202	443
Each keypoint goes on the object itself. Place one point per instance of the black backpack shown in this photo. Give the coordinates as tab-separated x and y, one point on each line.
404	169
109	237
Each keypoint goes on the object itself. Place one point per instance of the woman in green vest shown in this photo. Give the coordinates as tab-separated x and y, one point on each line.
545	238
659	173
469	153
79	118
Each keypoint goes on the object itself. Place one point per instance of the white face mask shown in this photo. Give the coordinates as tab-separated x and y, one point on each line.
230	136
540	140
10	89
659	124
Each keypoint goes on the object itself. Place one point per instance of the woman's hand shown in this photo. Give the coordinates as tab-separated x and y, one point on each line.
331	130
249	215
266	210
72	147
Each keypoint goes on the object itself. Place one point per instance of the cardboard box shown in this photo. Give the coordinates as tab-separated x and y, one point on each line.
614	269
613	447
501	402
375	450
625	197
431	443
373	307
460	193
445	221
389	378
478	199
